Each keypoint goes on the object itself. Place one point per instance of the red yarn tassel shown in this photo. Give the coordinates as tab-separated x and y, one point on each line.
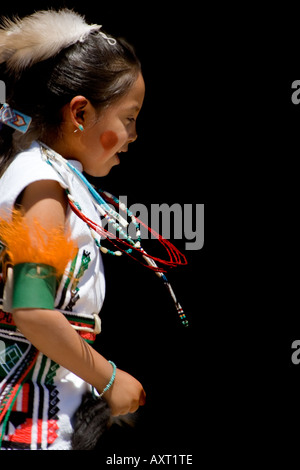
176	258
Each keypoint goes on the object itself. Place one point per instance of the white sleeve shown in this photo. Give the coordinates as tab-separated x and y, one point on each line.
26	168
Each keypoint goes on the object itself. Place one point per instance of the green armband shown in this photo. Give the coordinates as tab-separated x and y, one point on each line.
34	286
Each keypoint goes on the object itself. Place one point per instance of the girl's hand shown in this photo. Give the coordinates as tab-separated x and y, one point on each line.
126	394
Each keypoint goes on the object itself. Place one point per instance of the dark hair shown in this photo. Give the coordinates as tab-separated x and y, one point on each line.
100	71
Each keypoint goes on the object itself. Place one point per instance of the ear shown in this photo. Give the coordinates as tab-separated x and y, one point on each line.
78	108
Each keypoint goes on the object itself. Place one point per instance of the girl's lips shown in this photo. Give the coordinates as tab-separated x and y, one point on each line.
118	154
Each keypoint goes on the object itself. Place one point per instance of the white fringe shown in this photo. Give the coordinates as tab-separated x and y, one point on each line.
40	36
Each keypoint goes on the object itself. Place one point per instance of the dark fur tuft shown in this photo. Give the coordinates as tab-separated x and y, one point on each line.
92	419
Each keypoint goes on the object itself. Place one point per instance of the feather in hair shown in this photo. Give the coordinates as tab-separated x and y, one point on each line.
40	36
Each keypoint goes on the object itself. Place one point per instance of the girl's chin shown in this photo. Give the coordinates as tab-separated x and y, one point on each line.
105	169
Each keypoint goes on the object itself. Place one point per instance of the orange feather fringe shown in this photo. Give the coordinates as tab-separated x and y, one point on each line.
36	244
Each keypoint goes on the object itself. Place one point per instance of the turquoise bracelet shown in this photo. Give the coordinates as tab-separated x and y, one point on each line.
112	379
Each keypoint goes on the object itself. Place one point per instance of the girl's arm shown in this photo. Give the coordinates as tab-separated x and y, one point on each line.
51	333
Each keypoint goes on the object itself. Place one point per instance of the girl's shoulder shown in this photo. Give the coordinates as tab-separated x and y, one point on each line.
27	167
30	163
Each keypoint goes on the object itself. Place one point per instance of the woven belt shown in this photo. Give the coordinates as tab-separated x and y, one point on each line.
87	327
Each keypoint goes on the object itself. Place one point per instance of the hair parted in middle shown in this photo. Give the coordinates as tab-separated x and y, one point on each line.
45	69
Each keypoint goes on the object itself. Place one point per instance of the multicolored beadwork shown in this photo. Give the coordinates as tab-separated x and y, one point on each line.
15	119
122	241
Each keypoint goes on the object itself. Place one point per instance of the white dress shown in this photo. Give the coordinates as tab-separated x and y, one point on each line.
41	417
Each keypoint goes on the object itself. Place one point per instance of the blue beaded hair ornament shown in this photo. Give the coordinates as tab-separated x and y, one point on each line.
15	119
120	240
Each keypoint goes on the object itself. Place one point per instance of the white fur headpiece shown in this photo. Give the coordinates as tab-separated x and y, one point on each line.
40	36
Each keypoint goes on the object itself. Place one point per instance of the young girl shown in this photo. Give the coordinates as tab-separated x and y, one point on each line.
82	92
73	95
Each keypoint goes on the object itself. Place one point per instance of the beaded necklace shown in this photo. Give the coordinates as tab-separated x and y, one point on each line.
105	203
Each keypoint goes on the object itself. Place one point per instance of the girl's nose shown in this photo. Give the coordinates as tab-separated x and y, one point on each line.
133	138
132	135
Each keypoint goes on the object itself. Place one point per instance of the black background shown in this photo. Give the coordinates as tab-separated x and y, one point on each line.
168	163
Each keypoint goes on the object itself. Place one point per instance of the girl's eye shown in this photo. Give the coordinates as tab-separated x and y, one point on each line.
131	119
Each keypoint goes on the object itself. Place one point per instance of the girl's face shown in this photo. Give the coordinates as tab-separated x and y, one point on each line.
103	136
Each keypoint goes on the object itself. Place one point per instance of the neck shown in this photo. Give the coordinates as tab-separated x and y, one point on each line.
58	141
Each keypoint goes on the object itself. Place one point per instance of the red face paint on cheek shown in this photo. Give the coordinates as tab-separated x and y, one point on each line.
108	140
